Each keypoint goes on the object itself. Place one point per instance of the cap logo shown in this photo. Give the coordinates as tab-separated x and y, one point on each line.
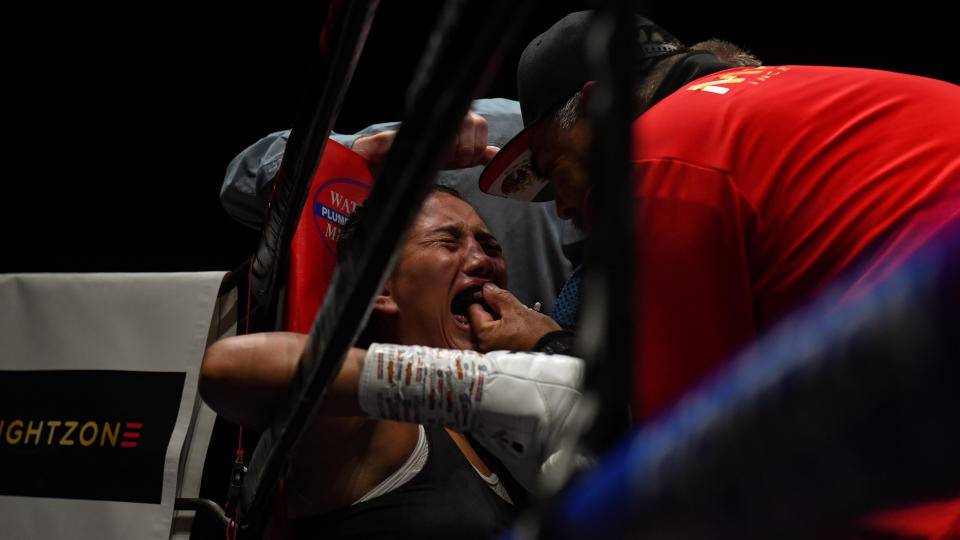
519	180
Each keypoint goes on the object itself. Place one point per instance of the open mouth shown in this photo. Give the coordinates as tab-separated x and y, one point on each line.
461	304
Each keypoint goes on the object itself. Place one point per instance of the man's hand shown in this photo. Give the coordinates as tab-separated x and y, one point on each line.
373	148
518	327
468	149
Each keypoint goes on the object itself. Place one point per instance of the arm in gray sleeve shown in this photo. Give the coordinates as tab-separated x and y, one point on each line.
248	181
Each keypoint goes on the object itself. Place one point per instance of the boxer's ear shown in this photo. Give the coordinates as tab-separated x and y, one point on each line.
384	302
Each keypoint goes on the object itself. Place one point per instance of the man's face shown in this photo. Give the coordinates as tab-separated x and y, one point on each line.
562	156
449	254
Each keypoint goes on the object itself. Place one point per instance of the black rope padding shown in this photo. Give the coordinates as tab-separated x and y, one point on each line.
604	336
347	27
463	54
604	333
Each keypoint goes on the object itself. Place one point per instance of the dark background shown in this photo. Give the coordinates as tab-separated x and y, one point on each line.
119	126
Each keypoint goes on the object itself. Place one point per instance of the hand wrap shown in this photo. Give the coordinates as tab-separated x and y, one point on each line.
514	403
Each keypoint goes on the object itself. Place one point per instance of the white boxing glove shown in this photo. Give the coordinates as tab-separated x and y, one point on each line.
516	404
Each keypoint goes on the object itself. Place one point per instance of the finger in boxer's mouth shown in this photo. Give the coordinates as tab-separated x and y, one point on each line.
462	301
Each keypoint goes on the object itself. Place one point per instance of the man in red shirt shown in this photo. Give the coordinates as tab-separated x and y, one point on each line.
756	188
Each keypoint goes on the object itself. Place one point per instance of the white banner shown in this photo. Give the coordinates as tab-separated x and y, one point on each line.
101	427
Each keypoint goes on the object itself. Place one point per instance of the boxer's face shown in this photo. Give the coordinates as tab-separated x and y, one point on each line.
449	253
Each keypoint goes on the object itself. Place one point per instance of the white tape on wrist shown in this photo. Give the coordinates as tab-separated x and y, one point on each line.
421	384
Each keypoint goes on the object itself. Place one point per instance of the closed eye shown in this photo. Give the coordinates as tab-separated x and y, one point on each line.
492	249
558	169
489	243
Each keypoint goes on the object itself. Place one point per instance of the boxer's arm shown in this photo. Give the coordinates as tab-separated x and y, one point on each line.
515	404
245	378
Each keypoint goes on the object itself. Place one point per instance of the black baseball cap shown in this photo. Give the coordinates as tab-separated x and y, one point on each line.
552	68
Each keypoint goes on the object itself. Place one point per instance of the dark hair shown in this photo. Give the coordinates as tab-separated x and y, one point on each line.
349	230
646	87
441	188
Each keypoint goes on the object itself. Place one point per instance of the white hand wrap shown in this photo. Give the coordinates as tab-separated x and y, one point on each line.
514	403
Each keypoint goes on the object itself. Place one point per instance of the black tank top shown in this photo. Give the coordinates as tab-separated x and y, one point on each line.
446	499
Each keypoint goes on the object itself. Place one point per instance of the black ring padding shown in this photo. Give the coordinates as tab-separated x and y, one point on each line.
605	337
604	333
326	88
462	55
347	26
234	278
